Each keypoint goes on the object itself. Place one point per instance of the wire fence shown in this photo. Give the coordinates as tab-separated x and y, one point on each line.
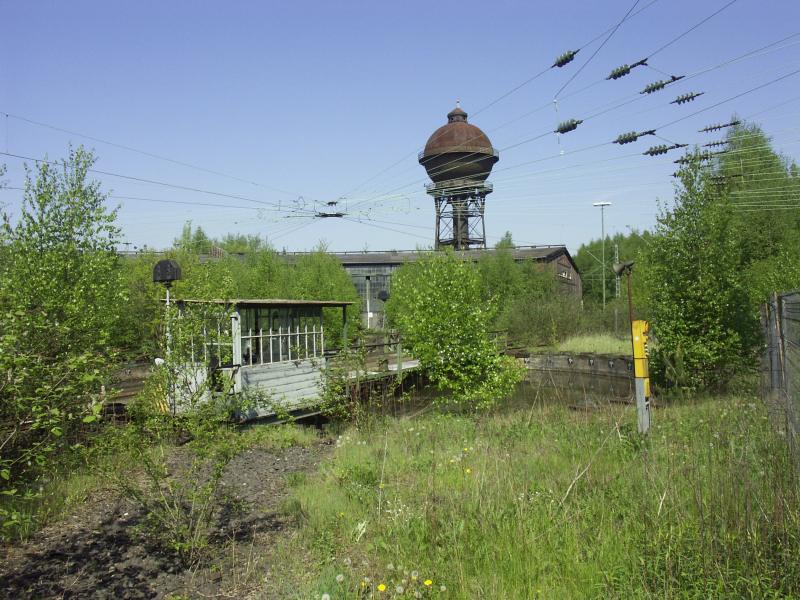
780	373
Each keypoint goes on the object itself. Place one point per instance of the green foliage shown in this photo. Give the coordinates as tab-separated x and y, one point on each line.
193	240
60	301
531	305
589	260
436	305
699	301
180	498
320	276
501	276
261	273
714	257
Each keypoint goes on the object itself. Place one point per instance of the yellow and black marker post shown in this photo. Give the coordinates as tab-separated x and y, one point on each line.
641	373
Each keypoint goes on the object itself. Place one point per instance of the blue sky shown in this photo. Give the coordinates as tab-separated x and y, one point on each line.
304	102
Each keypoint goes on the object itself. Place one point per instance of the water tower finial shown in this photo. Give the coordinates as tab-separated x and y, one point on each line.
458	103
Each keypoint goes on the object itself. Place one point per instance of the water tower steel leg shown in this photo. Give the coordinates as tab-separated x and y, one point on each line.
483	222
438	202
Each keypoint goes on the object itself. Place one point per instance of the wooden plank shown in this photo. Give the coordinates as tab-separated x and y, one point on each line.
276	380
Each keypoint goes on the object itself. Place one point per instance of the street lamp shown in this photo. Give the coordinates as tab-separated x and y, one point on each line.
602	206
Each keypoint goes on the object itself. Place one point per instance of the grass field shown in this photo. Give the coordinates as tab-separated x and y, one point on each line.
598	343
544	502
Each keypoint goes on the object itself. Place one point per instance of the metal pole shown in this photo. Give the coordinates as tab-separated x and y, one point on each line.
602	206
630	297
369	291
603	234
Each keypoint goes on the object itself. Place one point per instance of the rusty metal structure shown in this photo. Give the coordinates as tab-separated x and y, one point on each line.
458	158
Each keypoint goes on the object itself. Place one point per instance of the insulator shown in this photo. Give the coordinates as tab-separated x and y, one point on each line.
718	126
656	150
566	126
715	144
619	72
625	69
682	160
654	87
565	58
684	98
627	138
662	149
661	84
702	156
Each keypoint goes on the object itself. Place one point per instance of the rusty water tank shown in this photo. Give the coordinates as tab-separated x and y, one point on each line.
458	151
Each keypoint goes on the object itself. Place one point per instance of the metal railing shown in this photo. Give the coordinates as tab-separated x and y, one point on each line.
459	186
780	373
285	344
465	148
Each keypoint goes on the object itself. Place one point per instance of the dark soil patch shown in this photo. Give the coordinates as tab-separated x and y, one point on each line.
101	550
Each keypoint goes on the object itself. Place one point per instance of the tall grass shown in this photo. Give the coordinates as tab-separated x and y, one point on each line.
546	502
600	343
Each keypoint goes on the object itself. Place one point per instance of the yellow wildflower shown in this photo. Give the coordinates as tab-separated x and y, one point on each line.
468	471
428	582
381	587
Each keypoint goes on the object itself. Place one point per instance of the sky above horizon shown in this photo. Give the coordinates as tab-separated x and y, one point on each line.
255	115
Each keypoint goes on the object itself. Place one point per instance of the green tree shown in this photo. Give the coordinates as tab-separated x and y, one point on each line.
715	256
321	276
437	305
588	259
503	278
60	301
193	240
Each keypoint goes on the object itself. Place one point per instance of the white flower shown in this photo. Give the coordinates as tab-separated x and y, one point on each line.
442	589
390	567
339	578
326	596
399	589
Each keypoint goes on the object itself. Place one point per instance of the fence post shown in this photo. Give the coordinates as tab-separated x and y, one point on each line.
236	340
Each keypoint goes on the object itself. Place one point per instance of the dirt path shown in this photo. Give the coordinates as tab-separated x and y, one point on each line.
101	552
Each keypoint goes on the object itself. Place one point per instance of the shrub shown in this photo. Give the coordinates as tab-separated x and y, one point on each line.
436	305
60	301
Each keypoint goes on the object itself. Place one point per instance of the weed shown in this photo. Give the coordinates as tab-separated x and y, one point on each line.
560	504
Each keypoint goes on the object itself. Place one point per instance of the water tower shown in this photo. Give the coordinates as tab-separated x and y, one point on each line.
458	158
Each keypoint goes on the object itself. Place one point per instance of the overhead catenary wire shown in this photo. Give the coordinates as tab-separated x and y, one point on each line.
605	41
762	49
501	97
151	181
610	31
601	161
144	153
